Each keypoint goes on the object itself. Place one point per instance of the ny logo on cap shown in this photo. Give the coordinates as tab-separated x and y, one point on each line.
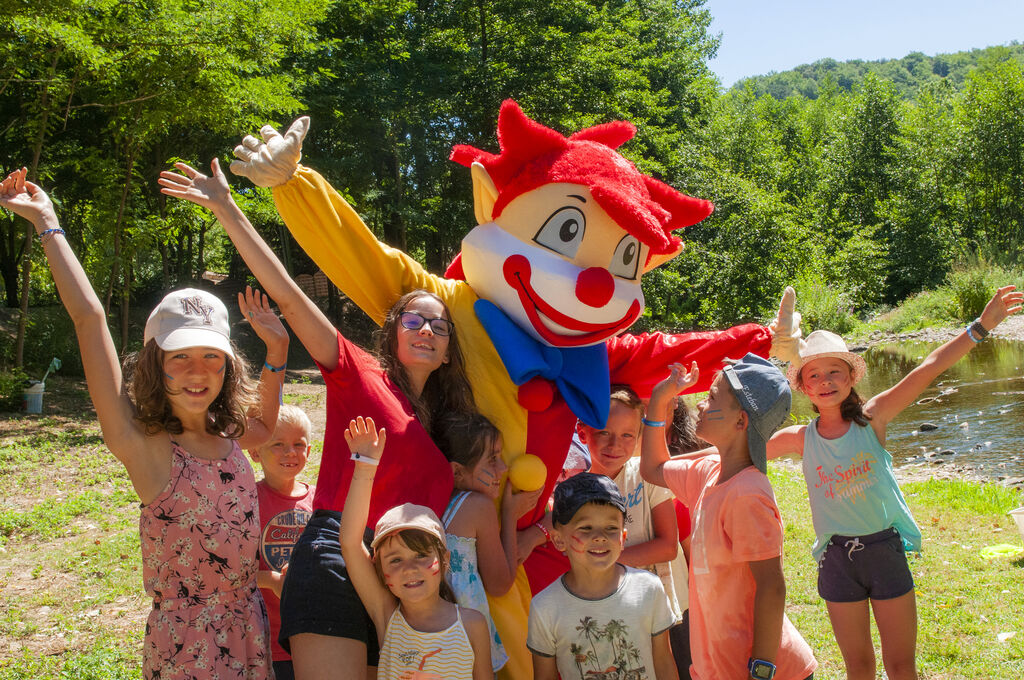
194	306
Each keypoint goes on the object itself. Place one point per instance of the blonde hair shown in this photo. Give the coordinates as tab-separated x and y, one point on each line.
289	414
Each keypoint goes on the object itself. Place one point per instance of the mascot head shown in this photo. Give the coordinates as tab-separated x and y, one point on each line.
566	229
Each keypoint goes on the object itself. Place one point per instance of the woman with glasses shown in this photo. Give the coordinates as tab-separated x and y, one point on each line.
418	373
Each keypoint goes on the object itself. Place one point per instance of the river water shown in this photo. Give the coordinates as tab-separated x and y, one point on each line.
977	406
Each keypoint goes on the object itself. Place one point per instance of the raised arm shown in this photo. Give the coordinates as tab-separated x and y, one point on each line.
367	445
310	325
122	435
653	447
256	309
885	406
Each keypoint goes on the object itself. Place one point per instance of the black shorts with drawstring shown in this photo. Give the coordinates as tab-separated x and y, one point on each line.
856	568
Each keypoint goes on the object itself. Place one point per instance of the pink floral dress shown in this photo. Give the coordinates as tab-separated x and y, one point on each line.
200	541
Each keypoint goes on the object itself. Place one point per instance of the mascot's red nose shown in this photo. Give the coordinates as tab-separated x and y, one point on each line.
595	286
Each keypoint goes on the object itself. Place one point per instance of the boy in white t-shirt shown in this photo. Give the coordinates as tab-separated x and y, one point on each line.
652	534
601	619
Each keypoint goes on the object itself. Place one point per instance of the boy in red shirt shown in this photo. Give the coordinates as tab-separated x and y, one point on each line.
285	506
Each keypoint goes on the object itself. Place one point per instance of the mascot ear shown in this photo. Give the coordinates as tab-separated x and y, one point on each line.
656	260
485	194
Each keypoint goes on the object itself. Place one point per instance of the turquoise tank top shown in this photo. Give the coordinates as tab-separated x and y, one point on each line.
852	488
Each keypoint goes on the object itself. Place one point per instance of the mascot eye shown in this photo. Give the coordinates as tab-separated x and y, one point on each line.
563	232
626	259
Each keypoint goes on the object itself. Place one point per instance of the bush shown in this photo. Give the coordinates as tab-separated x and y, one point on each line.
12	384
971	288
823	306
925	309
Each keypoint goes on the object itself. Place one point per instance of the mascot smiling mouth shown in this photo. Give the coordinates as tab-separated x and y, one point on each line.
517	273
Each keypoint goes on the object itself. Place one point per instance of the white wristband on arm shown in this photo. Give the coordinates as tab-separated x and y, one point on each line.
366	460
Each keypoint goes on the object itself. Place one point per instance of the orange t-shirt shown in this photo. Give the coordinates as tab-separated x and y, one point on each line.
734	523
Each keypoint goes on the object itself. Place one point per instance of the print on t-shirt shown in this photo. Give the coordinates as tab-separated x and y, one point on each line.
850	481
606	652
280	535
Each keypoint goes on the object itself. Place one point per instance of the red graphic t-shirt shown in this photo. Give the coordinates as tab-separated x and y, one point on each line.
282	519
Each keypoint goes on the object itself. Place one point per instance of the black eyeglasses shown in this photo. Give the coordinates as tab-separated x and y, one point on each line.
414	322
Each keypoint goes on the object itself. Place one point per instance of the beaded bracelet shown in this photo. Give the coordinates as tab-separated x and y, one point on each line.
547	535
978	329
275	369
652	423
54	230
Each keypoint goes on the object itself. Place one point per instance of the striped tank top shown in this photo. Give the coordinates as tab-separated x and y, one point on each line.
408	654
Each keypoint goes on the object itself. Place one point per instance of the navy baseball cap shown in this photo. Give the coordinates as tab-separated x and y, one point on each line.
578	490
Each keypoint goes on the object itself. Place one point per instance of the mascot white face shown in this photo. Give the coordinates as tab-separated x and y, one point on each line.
557	264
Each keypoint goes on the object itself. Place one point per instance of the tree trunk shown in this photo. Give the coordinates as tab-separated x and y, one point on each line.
30	231
115	269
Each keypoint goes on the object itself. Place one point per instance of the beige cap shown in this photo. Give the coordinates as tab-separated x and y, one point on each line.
407	516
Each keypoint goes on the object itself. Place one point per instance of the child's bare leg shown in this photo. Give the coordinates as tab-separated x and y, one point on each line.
851	623
326	657
897	627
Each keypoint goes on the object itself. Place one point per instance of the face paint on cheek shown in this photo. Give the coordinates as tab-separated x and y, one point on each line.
435	567
577	544
223	366
168	375
714	414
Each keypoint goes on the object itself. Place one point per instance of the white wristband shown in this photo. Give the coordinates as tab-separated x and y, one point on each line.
366	460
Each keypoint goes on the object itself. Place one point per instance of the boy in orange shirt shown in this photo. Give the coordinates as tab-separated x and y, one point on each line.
737	588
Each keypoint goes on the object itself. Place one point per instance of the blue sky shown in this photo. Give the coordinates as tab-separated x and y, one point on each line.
762	36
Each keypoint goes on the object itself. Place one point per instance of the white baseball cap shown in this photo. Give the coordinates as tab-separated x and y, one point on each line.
189	318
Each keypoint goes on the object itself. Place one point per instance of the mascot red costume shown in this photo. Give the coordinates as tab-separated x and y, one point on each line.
541	292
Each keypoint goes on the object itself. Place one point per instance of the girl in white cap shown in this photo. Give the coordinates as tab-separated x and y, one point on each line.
861	521
179	424
422	632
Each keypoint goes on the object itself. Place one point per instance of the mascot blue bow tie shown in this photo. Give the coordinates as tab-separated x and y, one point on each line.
580	373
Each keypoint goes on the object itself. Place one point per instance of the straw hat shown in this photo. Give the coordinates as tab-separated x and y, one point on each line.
824	344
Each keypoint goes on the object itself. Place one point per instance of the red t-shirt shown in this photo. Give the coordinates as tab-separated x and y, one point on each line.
282	519
682	519
412	469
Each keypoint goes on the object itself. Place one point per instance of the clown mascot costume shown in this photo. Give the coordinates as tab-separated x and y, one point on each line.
541	292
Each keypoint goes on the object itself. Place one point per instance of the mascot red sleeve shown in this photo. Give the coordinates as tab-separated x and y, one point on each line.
541	292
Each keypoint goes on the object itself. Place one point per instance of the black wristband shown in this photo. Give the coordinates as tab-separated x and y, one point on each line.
978	329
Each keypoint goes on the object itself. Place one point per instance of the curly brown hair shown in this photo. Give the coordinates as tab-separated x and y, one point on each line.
144	380
421	542
447	389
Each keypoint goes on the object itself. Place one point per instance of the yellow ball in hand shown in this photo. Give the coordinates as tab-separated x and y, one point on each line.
527	472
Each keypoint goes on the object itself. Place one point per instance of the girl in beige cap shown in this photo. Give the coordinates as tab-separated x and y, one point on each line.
423	634
179	424
861	520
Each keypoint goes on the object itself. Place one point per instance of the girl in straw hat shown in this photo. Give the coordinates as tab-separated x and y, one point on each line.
861	521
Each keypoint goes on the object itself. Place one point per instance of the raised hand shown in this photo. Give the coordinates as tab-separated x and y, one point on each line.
192	185
255	308
785	329
678	380
364	441
273	161
1007	300
27	200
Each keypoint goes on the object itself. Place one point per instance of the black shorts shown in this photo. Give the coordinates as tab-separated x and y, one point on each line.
856	568
317	596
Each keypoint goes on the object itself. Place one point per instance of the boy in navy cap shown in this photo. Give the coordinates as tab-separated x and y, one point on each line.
601	617
738	627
